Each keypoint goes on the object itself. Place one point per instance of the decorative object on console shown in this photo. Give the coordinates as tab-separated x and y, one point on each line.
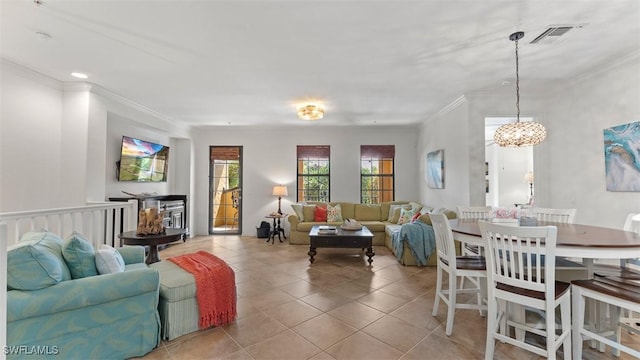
517	134
620	144
310	111
435	169
150	219
279	191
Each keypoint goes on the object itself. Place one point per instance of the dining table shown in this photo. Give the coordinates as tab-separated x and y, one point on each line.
587	242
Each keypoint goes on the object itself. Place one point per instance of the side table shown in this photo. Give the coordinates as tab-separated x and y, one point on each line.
277	229
170	235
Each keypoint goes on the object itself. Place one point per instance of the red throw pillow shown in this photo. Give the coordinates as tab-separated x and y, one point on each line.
320	213
416	216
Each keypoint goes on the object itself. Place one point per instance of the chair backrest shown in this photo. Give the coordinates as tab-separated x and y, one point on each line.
445	247
532	248
474	212
632	223
555	215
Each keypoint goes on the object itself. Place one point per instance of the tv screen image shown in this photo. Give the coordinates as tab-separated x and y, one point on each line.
142	161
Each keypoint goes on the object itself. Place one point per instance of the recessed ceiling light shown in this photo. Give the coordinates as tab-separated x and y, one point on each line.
79	75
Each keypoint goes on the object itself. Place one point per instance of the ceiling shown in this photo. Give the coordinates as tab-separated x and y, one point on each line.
372	62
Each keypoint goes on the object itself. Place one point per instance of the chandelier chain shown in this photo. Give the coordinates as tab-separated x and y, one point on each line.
517	85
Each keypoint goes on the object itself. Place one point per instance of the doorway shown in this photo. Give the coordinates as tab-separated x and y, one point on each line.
506	168
225	190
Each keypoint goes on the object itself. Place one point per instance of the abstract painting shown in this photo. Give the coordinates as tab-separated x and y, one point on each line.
622	157
435	169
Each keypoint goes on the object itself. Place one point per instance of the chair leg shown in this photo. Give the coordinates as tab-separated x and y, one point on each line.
565	319
578	307
492	320
550	315
451	310
436	301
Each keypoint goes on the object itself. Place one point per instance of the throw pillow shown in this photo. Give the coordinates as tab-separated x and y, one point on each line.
426	210
416	216
334	213
320	213
406	215
32	265
394	212
52	242
109	260
80	256
297	209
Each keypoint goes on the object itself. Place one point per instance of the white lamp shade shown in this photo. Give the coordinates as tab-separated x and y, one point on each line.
528	177
280	190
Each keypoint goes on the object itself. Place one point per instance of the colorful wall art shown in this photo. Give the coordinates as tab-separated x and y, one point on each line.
622	157
435	169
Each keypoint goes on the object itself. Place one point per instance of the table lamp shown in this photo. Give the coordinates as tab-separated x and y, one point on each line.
528	178
279	191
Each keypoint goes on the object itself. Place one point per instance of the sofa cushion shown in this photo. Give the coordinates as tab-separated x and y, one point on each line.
368	212
79	255
309	212
334	213
36	264
347	209
109	260
374	226
297	209
320	213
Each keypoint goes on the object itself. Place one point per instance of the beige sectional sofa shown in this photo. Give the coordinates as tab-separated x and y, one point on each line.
374	217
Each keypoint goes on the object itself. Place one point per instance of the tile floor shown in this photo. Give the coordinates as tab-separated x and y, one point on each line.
337	308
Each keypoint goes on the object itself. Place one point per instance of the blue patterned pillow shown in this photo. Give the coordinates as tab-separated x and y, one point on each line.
36	262
80	256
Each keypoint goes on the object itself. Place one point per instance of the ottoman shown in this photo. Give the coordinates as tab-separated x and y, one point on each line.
178	306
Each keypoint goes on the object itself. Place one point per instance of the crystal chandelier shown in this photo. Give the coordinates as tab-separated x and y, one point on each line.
310	111
524	133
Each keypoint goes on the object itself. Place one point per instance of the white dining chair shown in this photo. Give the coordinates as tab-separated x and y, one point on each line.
473	212
473	267
555	215
619	294
521	274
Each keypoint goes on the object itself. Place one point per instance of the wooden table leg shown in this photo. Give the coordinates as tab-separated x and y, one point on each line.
370	254
153	255
311	253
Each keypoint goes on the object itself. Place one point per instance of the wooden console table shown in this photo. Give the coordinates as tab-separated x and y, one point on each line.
169	236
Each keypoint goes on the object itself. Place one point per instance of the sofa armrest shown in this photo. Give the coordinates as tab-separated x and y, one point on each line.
132	254
294	221
80	293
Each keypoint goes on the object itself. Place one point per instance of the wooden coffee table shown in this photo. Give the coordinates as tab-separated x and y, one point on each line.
170	235
343	239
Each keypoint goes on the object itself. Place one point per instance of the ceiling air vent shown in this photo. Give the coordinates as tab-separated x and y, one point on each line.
553	34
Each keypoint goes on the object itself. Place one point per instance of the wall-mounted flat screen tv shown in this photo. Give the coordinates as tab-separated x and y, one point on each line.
142	161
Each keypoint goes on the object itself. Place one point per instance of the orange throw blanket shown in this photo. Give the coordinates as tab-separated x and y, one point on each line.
215	287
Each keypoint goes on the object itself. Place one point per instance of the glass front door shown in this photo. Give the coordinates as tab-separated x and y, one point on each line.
225	190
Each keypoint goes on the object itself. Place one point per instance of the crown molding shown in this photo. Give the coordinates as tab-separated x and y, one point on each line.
30	74
77	86
461	100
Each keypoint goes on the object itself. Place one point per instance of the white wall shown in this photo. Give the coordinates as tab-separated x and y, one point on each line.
269	158
449	131
573	173
30	140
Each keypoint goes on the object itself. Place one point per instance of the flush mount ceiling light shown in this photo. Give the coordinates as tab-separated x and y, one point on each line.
311	111
518	134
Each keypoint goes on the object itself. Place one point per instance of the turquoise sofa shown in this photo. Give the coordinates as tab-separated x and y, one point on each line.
111	316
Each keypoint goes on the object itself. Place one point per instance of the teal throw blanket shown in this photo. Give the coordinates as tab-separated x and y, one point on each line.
420	238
